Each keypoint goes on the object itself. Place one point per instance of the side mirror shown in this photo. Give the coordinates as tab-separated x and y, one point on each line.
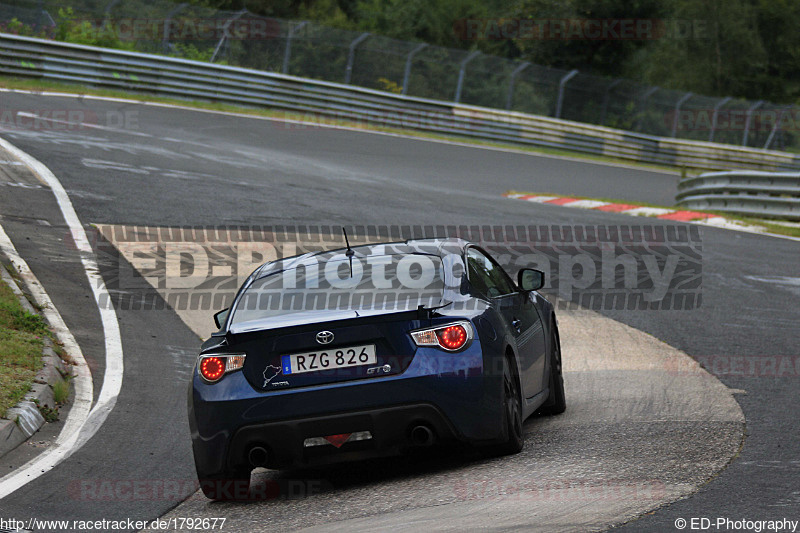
221	317
530	279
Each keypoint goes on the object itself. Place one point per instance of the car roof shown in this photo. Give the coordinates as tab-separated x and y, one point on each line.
407	247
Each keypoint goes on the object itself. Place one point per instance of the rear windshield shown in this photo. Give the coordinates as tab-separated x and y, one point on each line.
378	283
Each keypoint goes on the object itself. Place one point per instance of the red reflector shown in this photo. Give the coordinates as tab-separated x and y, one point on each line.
338	440
212	368
452	337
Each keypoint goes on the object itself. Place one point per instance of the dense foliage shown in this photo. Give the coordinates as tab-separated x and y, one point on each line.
747	49
742	48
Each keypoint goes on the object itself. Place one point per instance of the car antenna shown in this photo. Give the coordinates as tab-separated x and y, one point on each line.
349	253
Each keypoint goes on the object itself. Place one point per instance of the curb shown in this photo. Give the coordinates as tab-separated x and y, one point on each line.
24	419
661	213
77	426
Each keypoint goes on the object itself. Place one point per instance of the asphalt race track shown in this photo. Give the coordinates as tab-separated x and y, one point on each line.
612	456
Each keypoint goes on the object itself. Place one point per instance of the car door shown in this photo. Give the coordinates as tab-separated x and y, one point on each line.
489	279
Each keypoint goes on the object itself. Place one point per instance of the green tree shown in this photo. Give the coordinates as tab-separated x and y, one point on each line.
606	55
777	24
722	54
419	20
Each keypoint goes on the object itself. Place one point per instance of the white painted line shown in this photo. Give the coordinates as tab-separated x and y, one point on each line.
784	223
84	390
721	222
647	211
786	281
81	430
713	220
82	124
362	130
540	199
344	128
587	204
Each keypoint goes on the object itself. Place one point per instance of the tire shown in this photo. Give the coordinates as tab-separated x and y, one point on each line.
556	402
230	486
512	410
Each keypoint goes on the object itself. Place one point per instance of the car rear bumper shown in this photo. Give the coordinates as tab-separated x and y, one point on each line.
230	417
390	430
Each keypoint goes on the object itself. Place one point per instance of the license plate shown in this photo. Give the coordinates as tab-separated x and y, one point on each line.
297	363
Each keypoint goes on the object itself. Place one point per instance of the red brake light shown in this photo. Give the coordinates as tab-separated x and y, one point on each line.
452	337
212	368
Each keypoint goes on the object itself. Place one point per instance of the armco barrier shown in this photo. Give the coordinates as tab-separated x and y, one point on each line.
168	76
763	194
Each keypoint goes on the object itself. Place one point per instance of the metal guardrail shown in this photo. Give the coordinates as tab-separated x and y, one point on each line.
763	194
316	51
169	76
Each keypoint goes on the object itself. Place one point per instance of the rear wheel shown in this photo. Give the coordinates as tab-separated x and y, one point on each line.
512	410
228	486
556	402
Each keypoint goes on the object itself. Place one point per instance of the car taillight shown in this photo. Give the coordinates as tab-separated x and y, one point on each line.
451	337
213	367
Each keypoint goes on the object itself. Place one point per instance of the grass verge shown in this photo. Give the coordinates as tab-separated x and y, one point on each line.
21	342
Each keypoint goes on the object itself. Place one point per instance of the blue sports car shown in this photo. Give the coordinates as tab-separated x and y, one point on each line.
370	351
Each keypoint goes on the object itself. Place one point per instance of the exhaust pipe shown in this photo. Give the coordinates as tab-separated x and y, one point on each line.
421	436
258	456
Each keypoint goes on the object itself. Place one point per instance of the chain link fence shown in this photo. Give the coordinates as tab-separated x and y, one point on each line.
306	49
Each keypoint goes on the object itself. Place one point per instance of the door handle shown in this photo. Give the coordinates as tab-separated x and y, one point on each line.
516	323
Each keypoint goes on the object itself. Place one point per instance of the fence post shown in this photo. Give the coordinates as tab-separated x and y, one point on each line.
348	73
225	33
677	112
747	120
606	99
107	11
561	85
167	23
714	118
461	74
52	22
642	102
409	59
510	95
288	52
782	132
775	127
